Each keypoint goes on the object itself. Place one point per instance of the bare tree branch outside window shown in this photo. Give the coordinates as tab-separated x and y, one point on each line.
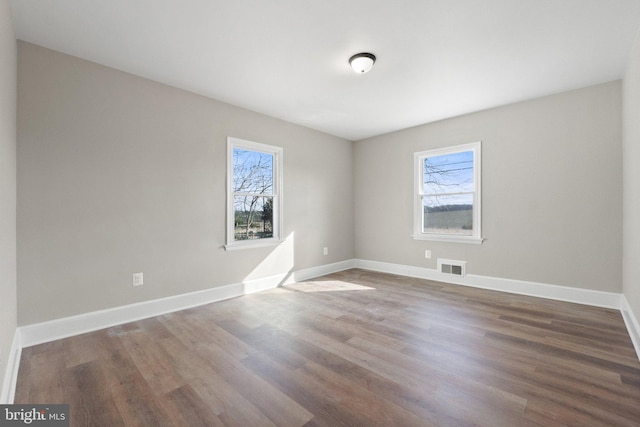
253	194
448	193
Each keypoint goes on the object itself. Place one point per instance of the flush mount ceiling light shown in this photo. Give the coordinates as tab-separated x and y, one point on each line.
362	62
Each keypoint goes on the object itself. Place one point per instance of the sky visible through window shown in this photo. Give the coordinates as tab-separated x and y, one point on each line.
449	173
448	193
252	171
253	194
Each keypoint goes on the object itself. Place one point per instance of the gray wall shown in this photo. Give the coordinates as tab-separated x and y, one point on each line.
8	302
631	156
552	191
118	174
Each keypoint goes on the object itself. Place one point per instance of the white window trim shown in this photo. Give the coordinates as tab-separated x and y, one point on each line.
418	213
277	153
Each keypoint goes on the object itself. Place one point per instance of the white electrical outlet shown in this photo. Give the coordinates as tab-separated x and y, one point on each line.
137	279
427	254
326	251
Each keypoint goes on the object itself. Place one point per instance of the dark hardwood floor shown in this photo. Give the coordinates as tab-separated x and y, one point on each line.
355	348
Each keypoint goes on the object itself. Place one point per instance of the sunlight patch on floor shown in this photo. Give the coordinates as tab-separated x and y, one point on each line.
327	286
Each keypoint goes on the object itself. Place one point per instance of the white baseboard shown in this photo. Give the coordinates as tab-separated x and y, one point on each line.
258	285
39	333
321	270
7	393
633	326
521	287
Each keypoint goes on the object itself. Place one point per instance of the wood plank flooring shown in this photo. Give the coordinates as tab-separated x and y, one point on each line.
355	348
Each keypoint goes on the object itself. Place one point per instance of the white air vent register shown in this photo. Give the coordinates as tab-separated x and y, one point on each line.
449	266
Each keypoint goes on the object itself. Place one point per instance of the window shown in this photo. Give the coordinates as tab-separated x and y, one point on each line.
254	194
447	200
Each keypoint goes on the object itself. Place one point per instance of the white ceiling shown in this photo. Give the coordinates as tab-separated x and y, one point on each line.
288	58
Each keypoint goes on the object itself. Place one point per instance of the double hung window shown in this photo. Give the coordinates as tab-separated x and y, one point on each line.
254	193
447	200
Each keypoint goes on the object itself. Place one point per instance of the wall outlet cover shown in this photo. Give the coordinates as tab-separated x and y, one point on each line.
138	279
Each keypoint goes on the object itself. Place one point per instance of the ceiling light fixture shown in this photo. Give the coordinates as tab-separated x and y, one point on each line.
362	62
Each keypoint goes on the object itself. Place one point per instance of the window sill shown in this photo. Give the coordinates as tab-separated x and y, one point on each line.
251	244
452	239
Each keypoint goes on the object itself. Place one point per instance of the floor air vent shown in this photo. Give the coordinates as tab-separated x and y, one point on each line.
448	266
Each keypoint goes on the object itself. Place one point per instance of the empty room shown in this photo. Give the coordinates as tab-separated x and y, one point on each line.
320	213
